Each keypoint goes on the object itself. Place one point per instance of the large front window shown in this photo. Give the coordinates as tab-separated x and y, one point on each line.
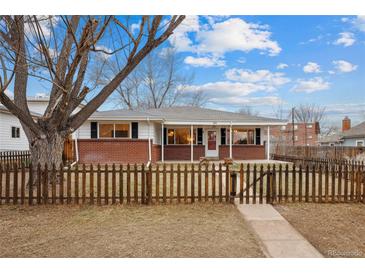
241	136
180	136
114	130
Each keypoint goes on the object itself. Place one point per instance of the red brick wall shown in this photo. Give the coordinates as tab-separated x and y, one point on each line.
114	151
305	135
243	152
156	153
136	151
182	152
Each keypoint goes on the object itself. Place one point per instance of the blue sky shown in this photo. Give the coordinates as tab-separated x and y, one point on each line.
277	60
268	61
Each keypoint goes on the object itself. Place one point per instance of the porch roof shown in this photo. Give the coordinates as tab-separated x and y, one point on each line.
184	115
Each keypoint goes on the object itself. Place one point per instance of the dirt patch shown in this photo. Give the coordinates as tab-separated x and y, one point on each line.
198	230
336	230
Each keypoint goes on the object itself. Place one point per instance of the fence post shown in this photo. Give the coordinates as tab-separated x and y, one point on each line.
149	185
268	185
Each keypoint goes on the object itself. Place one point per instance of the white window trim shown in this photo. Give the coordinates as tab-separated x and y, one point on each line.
360	141
248	128
114	123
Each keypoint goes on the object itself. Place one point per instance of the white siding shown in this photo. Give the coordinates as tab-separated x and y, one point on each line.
84	131
351	142
37	107
40	106
6	142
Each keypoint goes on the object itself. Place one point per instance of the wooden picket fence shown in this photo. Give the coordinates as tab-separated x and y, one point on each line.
316	161
15	157
138	184
323	152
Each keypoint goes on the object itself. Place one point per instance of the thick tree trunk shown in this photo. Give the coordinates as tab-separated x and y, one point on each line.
46	152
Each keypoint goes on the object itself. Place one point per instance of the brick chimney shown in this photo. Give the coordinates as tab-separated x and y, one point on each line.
346	124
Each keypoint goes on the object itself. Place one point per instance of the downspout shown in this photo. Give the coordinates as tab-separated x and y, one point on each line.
268	143
149	143
230	140
162	142
76	148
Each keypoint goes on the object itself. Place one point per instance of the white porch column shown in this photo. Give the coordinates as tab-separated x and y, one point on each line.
230	141
191	143
268	143
162	142
149	141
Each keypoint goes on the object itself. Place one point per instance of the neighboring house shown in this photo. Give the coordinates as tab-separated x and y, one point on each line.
12	135
349	136
331	140
355	136
171	134
304	134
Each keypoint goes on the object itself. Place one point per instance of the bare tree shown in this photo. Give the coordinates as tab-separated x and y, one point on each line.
60	51
248	110
308	113
156	82
280	112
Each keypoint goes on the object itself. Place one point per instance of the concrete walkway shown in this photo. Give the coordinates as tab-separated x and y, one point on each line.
278	237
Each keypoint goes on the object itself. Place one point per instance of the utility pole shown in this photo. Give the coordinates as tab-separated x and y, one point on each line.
292	124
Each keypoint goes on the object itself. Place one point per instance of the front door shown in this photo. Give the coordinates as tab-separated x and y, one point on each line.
212	145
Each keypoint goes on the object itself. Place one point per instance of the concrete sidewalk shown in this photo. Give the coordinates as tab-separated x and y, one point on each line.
278	237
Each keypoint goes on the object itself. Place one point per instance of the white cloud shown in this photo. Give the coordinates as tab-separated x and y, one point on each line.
45	22
180	39
312	67
135	27
9	93
311	85
263	77
223	89
236	34
204	61
257	101
282	66
359	22
344	66
346	39
103	52
222	35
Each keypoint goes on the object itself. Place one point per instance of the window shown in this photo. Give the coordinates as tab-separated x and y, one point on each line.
15	132
241	136
295	138
309	126
283	127
295	127
114	131
310	137
106	130
180	136
359	143
121	131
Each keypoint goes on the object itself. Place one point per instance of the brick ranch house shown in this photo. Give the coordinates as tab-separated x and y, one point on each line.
172	134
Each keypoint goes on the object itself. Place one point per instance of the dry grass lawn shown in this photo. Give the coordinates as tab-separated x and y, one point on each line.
198	230
336	230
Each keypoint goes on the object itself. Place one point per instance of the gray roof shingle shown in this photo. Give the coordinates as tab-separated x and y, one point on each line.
356	131
185	114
